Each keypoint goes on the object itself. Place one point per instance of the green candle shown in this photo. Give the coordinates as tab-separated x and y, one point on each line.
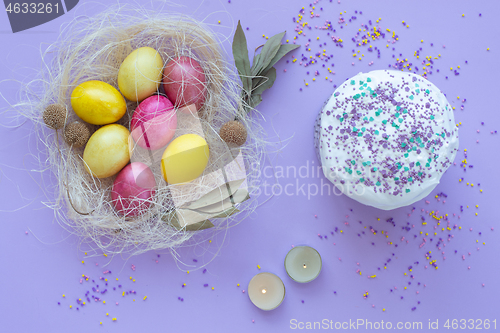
303	263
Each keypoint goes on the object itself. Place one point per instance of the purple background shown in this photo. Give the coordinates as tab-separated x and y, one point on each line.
38	267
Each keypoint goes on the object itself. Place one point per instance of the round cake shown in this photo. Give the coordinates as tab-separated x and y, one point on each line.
385	138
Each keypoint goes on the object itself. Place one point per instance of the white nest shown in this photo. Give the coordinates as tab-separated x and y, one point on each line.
92	48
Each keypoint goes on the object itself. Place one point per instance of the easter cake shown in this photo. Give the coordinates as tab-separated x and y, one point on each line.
385	138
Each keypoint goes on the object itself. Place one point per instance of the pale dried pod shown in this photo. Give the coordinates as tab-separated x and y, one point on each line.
233	132
77	134
54	116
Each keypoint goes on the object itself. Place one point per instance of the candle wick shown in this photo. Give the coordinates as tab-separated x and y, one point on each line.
305	266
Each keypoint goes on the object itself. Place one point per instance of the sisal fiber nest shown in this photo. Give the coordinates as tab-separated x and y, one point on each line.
93	48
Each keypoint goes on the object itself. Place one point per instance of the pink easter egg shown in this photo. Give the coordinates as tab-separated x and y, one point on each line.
184	82
154	122
133	189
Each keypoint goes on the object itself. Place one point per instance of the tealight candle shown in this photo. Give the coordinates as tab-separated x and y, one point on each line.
303	263
266	291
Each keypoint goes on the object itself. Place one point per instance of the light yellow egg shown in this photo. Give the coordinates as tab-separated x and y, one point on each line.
107	151
98	103
184	159
140	74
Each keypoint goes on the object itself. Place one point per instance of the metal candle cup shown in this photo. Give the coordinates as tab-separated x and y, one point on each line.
266	291
303	264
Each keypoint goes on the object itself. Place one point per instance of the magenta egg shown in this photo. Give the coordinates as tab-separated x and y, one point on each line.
154	122
184	82
133	189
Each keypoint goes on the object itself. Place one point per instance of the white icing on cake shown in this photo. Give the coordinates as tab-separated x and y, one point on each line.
385	138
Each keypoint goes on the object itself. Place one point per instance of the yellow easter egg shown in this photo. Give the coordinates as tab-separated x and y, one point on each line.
107	151
184	159
140	74
98	103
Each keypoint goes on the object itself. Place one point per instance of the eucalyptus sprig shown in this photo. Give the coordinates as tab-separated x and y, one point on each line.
261	75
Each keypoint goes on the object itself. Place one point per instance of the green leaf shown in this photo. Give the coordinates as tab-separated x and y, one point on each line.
228	212
241	60
241	196
216	208
271	77
216	195
255	60
255	100
262	74
199	226
283	50
171	218
268	53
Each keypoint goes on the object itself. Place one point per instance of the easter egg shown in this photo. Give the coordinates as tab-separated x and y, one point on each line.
133	189
98	103
184	82
153	122
107	151
184	159
140	74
